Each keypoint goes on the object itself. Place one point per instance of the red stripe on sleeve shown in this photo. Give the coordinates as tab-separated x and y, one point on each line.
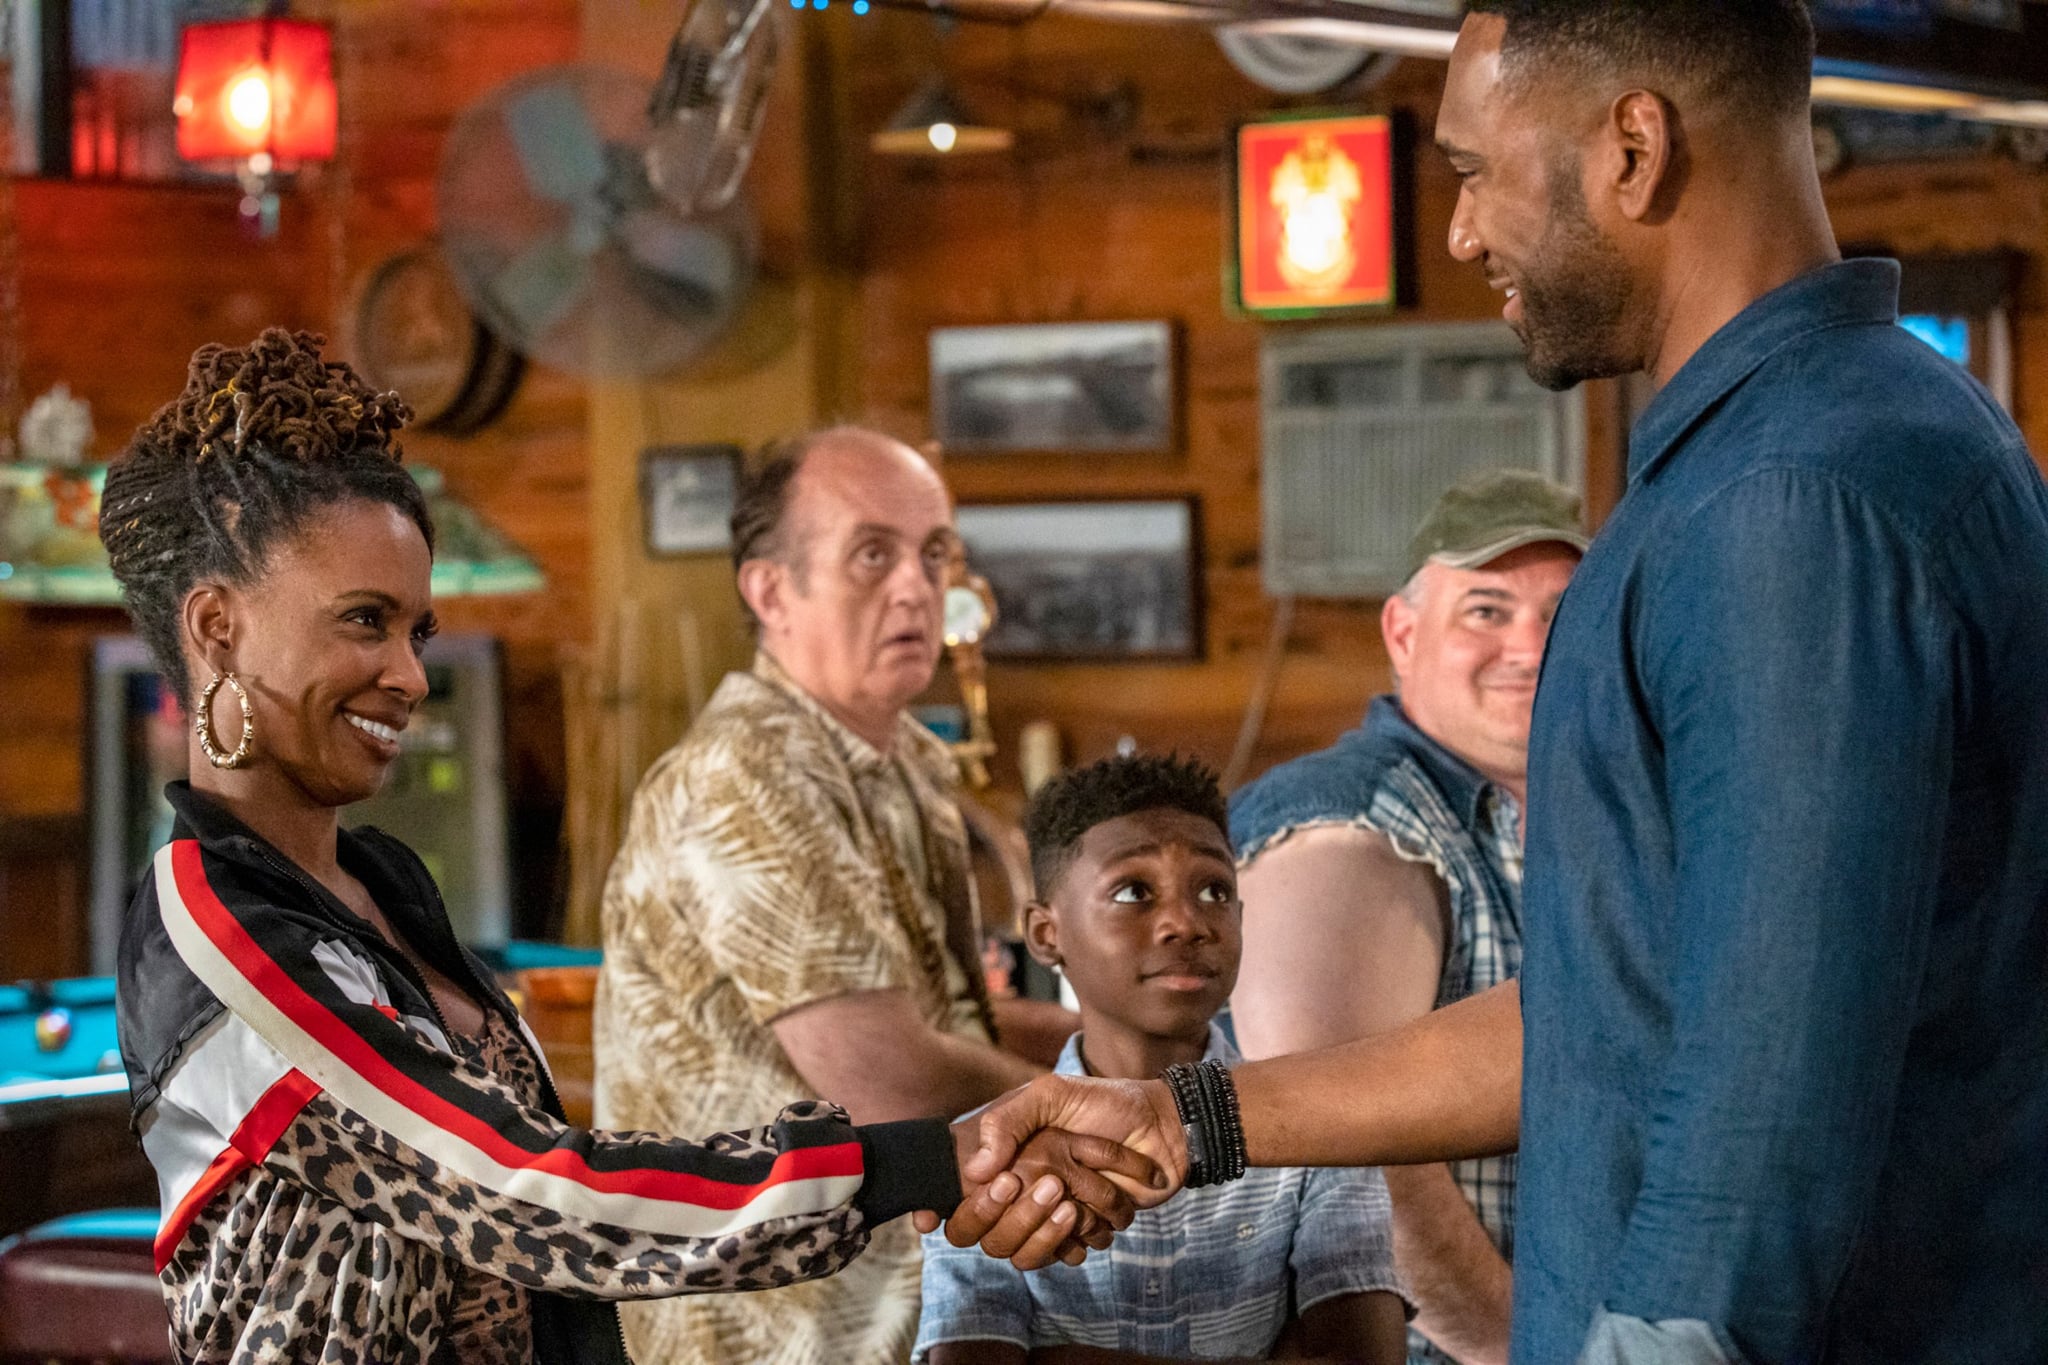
356	1053
252	1140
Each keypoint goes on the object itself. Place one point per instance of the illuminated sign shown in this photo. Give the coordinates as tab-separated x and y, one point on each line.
1317	222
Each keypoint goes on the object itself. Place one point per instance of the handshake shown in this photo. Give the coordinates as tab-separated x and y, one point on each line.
1054	1168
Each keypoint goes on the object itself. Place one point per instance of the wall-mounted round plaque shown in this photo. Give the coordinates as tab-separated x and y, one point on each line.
413	333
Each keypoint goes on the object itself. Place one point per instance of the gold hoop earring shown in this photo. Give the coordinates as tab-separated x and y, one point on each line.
202	723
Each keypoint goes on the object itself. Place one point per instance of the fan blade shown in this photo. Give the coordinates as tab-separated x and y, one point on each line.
558	147
679	153
693	256
540	285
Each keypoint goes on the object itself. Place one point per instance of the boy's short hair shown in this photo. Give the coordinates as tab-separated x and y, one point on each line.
1067	807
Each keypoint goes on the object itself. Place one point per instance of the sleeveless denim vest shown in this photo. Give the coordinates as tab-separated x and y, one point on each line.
1432	806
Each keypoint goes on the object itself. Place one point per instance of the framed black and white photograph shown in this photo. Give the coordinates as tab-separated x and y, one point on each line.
1083	387
1090	580
687	494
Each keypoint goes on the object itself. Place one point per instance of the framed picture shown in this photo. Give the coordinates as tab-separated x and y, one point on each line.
687	494
1059	386
1090	580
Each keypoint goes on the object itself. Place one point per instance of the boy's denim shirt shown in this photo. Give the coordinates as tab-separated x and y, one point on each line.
1434	808
1211	1272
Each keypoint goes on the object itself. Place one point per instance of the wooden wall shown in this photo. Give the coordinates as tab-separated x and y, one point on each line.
1076	227
864	256
120	282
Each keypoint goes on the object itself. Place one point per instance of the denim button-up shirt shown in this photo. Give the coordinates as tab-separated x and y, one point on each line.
1785	973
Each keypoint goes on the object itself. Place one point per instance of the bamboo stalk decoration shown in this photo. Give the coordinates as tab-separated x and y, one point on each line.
590	824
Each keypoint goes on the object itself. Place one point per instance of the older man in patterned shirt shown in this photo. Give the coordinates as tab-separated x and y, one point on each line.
1382	877
791	912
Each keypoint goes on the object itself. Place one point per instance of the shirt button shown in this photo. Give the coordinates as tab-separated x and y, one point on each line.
1247	1231
1152	1287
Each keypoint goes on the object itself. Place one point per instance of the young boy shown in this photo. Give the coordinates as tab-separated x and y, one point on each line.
1137	904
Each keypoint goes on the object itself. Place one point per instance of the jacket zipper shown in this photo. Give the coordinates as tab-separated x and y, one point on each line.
411	973
547	1080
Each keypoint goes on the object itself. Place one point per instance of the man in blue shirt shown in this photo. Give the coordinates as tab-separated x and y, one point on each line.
1781	1047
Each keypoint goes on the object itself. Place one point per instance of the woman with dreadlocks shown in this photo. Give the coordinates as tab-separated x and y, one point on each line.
360	1154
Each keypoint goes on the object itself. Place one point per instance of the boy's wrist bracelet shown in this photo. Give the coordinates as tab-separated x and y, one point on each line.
1206	1100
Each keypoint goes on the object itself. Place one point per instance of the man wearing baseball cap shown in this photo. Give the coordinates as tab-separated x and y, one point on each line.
1382	877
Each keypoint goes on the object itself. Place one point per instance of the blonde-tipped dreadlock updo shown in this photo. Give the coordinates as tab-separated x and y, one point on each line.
260	442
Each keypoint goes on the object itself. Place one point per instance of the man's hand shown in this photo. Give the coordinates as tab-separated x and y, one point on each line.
1103	1120
1024	1214
1138	1115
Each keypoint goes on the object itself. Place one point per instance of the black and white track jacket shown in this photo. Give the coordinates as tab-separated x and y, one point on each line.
342	1181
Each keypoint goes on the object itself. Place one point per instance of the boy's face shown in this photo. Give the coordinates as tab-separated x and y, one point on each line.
1145	922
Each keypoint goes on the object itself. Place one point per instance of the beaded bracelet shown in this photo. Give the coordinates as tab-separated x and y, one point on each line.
1206	1100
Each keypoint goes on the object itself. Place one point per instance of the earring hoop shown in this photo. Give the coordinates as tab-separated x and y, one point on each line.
202	723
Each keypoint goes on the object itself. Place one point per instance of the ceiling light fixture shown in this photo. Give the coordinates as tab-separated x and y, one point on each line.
933	122
2014	113
1859	92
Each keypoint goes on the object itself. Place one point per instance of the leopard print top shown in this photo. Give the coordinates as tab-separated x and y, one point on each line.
341	1181
488	1323
348	1246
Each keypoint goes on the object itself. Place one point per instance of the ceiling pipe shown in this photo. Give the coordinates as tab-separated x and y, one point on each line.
1406	39
1343	20
1415	33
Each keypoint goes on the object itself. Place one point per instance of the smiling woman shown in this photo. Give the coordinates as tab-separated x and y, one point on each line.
314	1060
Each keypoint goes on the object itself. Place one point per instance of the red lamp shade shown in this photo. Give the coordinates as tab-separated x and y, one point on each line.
256	85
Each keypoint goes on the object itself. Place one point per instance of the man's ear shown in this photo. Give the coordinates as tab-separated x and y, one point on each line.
1397	627
1042	934
1646	138
762	583
209	618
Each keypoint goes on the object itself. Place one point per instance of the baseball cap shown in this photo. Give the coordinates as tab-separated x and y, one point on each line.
1479	520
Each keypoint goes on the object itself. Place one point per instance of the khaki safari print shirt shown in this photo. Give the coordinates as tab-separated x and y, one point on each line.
774	858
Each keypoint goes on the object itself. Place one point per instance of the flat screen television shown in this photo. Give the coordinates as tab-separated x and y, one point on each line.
445	796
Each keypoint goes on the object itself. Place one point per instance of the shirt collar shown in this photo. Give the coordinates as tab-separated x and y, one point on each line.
1461	783
1846	293
862	757
222	833
1219	1050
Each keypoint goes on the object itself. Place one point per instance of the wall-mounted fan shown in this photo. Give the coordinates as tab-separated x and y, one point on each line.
707	106
553	221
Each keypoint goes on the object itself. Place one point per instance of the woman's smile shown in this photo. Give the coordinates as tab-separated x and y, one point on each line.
381	739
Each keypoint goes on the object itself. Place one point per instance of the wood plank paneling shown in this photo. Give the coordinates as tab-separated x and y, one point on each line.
1075	227
120	282
1078	228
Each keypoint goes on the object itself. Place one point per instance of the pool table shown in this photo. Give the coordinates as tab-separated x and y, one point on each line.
64	1139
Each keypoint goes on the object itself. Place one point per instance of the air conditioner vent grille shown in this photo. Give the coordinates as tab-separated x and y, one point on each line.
1365	427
